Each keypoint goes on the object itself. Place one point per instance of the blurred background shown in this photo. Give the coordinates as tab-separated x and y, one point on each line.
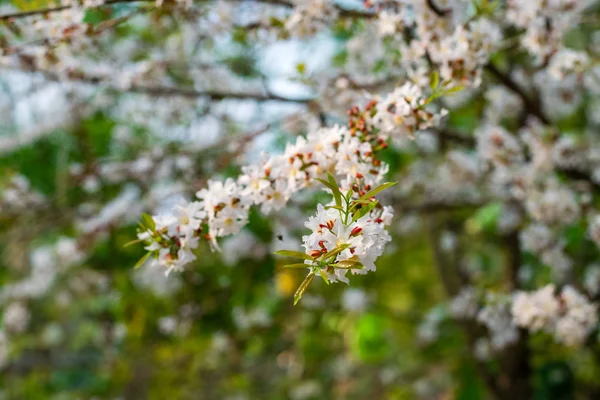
107	112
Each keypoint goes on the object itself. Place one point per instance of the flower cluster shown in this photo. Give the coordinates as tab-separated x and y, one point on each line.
545	23
348	234
462	55
568	316
363	240
402	113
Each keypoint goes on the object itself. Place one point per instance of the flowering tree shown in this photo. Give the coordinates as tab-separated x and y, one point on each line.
460	134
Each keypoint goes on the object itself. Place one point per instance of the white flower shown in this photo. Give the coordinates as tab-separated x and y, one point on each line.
464	305
567	61
16	317
536	311
388	23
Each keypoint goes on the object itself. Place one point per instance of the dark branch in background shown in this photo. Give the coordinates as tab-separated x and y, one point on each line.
532	105
167	91
438	11
447	268
44	11
448	135
49	10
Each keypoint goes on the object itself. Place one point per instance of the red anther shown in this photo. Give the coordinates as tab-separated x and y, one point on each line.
378	220
330	224
361	193
352	250
357	230
359	175
291	160
380	141
300	155
377	163
315	253
367	187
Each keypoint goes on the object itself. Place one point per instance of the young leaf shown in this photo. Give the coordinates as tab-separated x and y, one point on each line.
297	266
294	254
324	276
336	251
337	194
364	210
148	222
348	264
142	260
377	190
435	80
303	286
324	182
132	242
454	89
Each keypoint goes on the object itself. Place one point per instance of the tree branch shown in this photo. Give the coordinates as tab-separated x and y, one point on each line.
533	106
283	3
49	10
166	91
437	10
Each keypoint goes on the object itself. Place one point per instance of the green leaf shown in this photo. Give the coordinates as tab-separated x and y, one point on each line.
377	190
303	286
348	264
294	254
95	16
132	242
302	265
337	194
148	222
324	182
364	210
453	90
324	276
332	185
142	260
336	251
276	22
435	80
